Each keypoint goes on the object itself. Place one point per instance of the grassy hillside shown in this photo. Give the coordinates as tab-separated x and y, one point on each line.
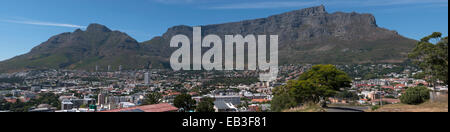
439	105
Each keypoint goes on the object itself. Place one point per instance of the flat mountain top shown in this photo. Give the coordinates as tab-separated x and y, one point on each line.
310	35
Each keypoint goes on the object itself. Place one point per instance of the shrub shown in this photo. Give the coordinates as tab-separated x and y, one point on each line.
376	107
282	102
416	95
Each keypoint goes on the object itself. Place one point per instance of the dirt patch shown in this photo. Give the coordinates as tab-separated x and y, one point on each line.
440	105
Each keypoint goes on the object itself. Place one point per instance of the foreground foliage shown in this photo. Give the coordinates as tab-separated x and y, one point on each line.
432	58
415	95
184	102
314	86
206	105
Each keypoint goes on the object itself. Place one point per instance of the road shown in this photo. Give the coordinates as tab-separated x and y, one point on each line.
346	108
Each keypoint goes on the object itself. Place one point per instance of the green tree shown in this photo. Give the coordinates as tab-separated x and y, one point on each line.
347	95
8	95
4	105
369	76
206	105
320	82
432	58
83	106
184	102
415	95
152	98
283	101
48	98
314	86
420	75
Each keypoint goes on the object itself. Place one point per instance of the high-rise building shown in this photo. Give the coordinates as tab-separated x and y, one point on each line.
101	99
147	78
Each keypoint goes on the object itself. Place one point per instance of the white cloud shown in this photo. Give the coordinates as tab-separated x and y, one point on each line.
40	23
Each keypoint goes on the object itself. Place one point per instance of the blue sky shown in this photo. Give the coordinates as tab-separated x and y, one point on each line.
27	23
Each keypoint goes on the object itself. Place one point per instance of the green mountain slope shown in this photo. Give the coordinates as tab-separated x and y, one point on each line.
310	35
97	46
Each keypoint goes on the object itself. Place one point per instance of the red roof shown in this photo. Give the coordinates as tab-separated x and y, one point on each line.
390	87
11	100
400	85
365	85
193	93
164	107
260	100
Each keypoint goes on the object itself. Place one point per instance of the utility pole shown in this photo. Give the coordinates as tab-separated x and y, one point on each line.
381	98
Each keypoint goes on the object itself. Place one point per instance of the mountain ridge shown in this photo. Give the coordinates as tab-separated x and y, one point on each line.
309	35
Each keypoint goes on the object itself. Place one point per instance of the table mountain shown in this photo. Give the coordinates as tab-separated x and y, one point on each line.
310	35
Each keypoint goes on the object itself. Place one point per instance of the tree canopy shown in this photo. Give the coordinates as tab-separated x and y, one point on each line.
19	106
313	86
185	102
206	105
431	55
152	98
415	95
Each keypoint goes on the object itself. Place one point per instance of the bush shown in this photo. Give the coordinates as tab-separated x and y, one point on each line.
206	105
416	95
184	102
282	102
376	107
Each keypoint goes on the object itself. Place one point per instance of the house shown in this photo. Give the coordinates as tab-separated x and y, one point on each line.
221	106
66	105
388	87
400	86
234	99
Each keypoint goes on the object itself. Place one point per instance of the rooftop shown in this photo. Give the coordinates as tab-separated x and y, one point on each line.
164	107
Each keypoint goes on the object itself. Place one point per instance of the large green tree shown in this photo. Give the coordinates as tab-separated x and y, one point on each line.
313	86
320	82
415	95
152	98
282	102
347	95
206	105
184	102
431	55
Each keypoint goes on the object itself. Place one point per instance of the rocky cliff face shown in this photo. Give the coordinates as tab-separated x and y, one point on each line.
301	25
310	35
